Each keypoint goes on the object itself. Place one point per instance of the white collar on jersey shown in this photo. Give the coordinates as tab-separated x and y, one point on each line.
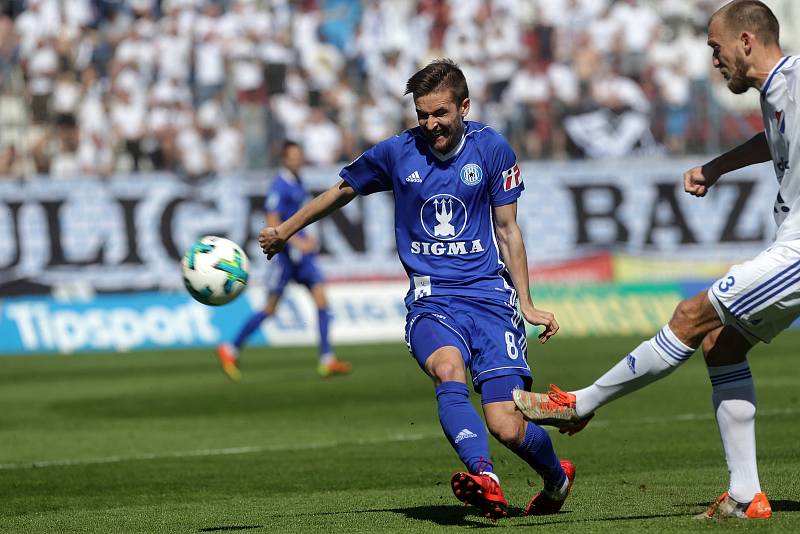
287	175
778	66
456	150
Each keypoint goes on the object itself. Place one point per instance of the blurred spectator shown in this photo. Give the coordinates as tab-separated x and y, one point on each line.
321	141
95	154
8	49
42	67
528	96
8	157
637	23
209	58
128	114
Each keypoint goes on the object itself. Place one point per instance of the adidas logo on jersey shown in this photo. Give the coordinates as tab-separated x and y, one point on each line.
414	177
465	434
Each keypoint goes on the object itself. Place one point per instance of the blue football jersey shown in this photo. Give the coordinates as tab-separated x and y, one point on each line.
444	226
285	196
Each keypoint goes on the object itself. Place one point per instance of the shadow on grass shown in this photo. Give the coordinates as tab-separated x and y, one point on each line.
229	528
445	515
785	506
777	505
464	516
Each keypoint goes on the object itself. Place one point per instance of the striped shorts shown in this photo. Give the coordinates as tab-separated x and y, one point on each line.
761	297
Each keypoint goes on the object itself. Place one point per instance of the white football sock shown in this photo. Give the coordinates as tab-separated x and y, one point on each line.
491	475
734	398
653	359
560	493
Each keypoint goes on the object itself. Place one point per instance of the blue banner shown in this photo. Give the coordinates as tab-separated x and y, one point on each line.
118	323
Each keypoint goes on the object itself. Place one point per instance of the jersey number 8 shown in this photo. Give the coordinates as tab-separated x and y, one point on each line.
511	346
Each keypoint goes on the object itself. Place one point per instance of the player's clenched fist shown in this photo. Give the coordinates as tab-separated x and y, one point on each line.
271	243
698	180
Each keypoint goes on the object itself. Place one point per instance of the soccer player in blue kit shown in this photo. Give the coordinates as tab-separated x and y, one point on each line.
455	185
296	262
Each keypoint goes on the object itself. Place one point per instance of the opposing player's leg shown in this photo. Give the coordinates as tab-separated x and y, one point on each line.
440	350
328	365
529	441
756	300
734	400
650	361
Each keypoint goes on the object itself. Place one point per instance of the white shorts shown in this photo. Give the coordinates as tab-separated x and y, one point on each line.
761	297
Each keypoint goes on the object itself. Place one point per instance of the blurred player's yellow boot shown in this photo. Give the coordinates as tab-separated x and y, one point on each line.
331	367
226	354
482	491
726	508
550	501
555	408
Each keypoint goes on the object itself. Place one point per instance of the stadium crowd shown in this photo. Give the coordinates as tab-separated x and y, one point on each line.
214	86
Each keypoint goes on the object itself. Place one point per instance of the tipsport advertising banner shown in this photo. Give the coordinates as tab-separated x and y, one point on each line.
128	233
157	320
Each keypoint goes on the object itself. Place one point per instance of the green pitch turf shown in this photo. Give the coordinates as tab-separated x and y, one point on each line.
162	442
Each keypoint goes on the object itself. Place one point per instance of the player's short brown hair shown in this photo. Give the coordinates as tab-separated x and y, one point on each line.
437	75
751	16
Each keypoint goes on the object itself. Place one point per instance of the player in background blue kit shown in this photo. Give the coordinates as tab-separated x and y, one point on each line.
297	262
455	185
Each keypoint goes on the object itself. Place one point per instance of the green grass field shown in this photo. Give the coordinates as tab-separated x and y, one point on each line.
162	442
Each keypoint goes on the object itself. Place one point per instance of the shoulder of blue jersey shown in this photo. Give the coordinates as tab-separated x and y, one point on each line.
491	140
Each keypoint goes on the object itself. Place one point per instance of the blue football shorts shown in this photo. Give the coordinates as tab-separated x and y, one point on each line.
489	333
304	271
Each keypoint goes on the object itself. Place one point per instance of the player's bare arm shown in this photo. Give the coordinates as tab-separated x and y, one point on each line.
273	238
698	180
512	249
304	243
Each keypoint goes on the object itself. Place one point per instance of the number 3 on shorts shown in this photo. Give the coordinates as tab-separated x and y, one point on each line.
726	284
511	346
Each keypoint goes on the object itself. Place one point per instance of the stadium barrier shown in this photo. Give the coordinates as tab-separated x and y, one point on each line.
93	264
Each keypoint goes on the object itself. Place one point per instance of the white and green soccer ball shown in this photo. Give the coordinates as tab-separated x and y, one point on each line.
215	270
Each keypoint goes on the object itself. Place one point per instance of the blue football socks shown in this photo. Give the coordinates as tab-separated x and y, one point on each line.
324	319
537	450
463	427
249	327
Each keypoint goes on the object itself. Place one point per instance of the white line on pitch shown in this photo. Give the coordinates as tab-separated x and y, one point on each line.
216	452
396	438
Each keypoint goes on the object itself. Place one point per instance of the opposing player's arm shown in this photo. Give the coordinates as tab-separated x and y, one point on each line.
304	243
512	249
273	238
698	180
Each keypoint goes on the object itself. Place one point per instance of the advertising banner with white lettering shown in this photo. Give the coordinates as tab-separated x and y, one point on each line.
362	313
128	233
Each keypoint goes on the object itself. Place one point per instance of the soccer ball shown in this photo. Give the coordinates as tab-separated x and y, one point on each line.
215	270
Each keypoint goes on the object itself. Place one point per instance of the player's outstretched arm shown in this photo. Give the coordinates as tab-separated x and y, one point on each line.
512	249
273	238
698	180
304	243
